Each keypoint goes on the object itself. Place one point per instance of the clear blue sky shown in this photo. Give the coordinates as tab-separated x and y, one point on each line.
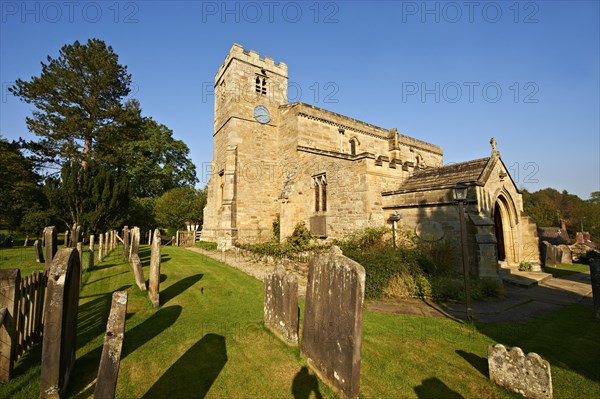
449	73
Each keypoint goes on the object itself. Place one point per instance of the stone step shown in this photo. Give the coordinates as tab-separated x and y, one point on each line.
523	279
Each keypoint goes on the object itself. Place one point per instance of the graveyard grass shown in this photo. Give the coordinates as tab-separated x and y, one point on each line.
207	339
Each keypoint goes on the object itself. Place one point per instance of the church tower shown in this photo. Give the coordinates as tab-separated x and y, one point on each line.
248	92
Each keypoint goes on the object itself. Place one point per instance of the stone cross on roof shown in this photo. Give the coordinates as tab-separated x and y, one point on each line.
494	150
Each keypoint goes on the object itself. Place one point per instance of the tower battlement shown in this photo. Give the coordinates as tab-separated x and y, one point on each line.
252	57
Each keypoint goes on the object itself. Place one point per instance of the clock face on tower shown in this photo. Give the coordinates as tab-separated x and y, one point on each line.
261	114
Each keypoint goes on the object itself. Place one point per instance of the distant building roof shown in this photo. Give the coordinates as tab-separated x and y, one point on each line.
554	235
449	175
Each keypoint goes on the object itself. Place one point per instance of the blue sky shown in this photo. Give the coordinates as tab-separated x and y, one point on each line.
450	73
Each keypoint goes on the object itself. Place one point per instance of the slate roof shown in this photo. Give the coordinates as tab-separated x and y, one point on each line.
445	176
554	235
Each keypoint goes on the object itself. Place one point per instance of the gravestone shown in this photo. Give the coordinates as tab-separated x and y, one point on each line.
66	243
92	238
10	279
527	375
332	333
126	242
566	257
134	259
74	235
80	250
50	244
595	277
281	304
108	371
154	280
39	251
106	248
60	323
101	248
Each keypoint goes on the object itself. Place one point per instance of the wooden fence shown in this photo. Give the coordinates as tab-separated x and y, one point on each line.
22	311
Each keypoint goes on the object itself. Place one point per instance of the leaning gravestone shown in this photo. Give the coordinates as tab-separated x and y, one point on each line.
126	242
134	259
332	333
39	251
527	375
154	281
281	304
50	244
595	277
60	323
111	351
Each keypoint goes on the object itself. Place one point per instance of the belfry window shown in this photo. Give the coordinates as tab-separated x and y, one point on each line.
261	85
320	185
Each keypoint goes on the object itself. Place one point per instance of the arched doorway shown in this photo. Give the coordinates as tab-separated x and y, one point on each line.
499	231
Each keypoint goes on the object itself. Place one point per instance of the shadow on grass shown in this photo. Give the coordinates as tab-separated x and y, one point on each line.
478	362
86	367
173	290
547	335
195	372
144	254
305	384
434	388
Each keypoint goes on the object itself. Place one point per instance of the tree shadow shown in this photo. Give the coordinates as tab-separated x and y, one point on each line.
434	388
173	290
86	367
304	384
478	362
192	374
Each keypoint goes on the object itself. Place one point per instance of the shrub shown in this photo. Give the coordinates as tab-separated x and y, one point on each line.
486	289
207	245
525	266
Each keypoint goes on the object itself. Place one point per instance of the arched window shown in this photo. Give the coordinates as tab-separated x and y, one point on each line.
258	85
264	86
320	184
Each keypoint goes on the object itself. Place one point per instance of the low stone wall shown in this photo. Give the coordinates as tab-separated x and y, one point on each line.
527	375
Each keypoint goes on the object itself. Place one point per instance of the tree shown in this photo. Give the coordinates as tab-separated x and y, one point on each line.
81	108
177	205
20	187
156	162
94	196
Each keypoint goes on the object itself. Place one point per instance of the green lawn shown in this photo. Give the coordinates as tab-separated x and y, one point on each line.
207	339
565	269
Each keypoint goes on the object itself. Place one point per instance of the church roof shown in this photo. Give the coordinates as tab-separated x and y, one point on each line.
445	176
554	235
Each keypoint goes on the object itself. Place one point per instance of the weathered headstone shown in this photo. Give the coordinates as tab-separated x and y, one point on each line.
281	304
154	280
126	242
66	238
101	248
50	244
60	326
39	251
108	371
80	251
92	238
10	279
134	259
595	277
332	333
527	375
106	247
566	257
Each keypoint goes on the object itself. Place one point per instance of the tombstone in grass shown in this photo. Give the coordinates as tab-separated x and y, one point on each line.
39	251
60	323
50	244
527	375
154	280
111	350
92	238
332	333
281	304
73	237
126	242
595	277
66	243
10	279
80	251
134	259
100	247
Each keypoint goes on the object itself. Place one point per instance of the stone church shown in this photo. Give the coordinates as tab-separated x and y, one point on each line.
337	174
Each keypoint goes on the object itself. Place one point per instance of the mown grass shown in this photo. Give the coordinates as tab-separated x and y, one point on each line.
565	269
207	340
